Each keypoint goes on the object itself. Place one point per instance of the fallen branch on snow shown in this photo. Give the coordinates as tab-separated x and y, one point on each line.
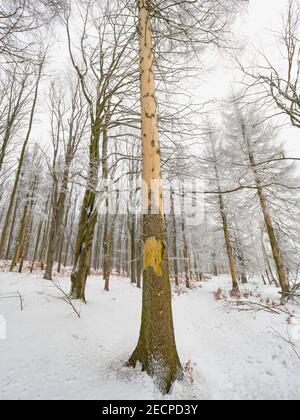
288	340
16	295
246	306
66	298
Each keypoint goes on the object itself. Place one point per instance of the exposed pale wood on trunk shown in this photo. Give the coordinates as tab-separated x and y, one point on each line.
156	348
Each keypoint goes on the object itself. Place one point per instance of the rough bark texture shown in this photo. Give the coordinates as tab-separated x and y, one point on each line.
88	217
84	241
156	349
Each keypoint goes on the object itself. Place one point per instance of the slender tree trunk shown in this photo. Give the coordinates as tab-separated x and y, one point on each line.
139	255
12	227
97	260
20	238
282	277
133	248
119	246
71	230
62	236
46	222
234	276
269	271
185	255
84	241
156	348
38	236
24	232
58	211
88	217
174	237
215	265
108	250
240	258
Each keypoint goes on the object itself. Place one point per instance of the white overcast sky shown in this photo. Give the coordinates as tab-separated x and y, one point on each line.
256	28
265	17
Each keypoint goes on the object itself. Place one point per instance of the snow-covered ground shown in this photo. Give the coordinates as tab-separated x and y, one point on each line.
50	353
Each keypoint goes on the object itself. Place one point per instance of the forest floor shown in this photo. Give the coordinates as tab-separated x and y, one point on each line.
228	351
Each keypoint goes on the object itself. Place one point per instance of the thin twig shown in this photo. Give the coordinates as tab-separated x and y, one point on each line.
14	296
288	340
66	298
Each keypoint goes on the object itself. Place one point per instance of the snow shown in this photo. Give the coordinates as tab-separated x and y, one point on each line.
50	353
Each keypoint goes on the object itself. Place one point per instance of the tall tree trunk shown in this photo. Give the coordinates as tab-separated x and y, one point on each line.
71	231
20	238
139	255
185	245
132	221
185	255
12	227
108	248
156	348
84	241
24	231
38	236
281	273
88	215
240	257
58	211
119	246
174	237
62	236
214	263
234	277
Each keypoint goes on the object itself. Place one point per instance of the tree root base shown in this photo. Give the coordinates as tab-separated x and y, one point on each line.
163	374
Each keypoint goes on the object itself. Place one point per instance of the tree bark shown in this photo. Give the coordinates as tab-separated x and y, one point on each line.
84	241
186	259
156	348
